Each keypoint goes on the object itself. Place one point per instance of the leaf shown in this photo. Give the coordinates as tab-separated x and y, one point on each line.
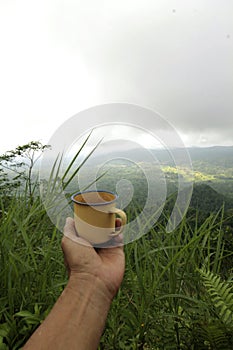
24	314
2	345
221	295
4	330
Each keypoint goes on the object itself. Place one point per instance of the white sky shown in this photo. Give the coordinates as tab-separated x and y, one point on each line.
60	57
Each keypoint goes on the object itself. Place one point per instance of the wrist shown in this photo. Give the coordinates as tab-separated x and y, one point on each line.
90	288
77	320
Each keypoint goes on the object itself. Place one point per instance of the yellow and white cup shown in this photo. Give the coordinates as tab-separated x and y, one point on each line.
94	215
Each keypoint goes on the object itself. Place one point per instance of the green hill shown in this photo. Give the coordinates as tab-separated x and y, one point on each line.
206	199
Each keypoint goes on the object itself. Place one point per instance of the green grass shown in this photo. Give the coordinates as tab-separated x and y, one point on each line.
32	274
163	302
176	294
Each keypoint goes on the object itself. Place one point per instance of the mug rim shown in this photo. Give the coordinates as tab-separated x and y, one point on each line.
93	204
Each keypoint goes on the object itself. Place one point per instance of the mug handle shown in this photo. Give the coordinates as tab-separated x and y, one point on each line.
123	217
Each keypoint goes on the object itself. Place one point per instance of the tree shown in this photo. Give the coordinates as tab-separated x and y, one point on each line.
16	166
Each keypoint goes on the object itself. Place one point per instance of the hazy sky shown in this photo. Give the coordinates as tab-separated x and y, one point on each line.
60	57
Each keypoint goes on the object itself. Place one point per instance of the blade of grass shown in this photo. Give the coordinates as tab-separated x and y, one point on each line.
65	184
75	157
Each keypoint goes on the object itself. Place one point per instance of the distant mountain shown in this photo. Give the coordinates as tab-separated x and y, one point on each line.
216	156
219	156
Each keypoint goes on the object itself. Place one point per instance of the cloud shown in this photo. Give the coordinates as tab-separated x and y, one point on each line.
175	59
59	57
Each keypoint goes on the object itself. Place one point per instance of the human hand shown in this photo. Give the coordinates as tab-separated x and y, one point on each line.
77	319
104	266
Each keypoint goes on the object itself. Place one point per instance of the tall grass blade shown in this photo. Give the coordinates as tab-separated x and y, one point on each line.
65	184
75	157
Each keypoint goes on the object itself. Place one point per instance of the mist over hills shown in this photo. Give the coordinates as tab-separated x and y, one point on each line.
213	170
219	156
216	155
212	166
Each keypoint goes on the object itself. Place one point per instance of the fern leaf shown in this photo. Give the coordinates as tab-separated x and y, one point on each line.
221	295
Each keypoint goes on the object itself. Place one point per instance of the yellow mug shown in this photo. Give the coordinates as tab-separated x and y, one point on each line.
94	215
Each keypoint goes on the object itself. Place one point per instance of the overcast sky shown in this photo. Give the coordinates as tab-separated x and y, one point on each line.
60	57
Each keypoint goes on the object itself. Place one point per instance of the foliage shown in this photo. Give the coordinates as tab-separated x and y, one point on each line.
176	293
221	295
32	273
16	167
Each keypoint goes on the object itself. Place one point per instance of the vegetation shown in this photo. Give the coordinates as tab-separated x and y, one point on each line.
17	166
177	291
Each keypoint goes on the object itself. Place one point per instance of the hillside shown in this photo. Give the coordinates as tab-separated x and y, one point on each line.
206	199
217	156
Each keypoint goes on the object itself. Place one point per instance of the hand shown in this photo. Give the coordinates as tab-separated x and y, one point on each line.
84	263
78	318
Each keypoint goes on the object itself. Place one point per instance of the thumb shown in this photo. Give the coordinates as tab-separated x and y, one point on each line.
69	226
71	233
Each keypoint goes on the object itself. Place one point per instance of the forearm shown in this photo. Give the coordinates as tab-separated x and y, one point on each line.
76	321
